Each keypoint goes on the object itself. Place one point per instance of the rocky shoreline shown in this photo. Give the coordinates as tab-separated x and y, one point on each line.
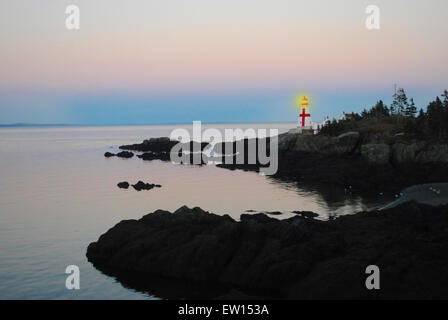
196	254
379	164
365	164
295	258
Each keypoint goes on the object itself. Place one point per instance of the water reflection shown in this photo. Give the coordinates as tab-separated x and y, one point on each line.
59	189
335	199
158	287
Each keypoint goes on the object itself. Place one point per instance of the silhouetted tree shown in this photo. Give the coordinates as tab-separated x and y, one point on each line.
364	113
432	124
421	114
400	102
411	109
436	119
445	99
380	110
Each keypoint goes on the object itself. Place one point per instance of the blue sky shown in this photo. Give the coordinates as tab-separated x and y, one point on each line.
122	109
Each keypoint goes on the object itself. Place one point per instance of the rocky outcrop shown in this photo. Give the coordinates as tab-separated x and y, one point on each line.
398	153
123	185
433	153
149	156
376	150
343	144
145	186
295	258
376	153
125	154
402	153
162	145
122	154
375	163
162	148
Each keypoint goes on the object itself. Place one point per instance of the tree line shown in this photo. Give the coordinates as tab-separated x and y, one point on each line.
403	115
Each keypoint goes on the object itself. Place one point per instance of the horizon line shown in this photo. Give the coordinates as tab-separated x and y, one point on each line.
20	124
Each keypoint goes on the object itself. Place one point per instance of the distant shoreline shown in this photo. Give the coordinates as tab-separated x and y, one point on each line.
37	125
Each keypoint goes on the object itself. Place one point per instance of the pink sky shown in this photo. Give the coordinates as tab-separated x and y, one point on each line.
200	47
267	44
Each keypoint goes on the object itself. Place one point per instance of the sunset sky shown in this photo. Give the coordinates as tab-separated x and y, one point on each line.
172	61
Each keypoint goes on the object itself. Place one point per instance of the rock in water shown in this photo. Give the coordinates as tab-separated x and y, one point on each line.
145	186
294	258
125	154
156	145
163	156
123	185
163	145
122	154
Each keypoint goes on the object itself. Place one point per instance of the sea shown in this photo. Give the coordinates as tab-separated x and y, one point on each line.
59	193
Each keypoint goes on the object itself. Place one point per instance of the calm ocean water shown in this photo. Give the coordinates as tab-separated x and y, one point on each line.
59	193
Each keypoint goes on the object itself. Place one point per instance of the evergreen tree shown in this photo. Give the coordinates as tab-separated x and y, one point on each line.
430	125
392	109
445	99
421	114
364	113
400	102
380	109
445	111
411	109
435	119
421	127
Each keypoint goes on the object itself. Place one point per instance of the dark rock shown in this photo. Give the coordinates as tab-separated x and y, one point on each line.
368	164
123	185
163	145
122	154
180	158
144	186
294	258
376	153
162	149
306	214
125	154
293	142
163	156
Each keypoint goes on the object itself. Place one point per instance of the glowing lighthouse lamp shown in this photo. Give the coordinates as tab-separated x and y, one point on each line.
304	104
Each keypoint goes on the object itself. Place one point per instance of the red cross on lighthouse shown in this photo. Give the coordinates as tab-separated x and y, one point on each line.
303	115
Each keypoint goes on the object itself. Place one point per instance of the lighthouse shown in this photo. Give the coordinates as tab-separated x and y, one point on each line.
305	125
303	114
